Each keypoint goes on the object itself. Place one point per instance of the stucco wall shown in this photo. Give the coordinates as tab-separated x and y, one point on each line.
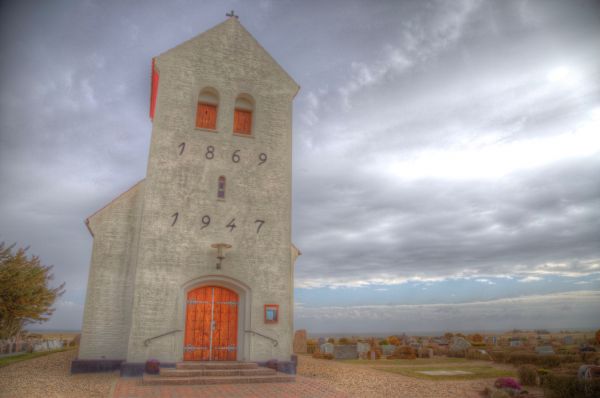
107	313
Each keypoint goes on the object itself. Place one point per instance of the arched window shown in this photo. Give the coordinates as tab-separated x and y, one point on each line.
221	189
242	118
206	112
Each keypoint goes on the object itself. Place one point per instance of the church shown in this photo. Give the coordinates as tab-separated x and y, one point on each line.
195	262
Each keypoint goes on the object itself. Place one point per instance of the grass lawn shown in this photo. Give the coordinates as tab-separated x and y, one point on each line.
25	356
477	372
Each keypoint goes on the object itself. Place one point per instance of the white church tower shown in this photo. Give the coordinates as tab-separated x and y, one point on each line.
195	262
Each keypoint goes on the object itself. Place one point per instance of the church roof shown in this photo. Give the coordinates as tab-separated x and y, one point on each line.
132	189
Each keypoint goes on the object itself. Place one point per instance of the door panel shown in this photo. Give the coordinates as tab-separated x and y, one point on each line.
211	324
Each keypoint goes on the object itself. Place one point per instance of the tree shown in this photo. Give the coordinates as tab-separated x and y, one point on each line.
476	338
393	340
25	294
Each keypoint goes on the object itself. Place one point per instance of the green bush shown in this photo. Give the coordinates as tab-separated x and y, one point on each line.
499	356
590	357
474	353
528	375
547	361
568	386
522	358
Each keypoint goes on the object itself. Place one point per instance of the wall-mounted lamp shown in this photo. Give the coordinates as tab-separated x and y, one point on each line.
220	251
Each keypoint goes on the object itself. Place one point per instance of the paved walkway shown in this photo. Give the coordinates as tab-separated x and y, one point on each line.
303	387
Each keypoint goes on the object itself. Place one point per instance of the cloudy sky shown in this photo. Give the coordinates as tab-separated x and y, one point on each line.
446	153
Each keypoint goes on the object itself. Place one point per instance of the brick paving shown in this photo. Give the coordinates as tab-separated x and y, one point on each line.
303	387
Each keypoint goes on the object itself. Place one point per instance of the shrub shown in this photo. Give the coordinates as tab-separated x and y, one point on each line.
568	386
384	342
476	354
499	356
507	382
403	352
393	340
522	357
344	341
508	385
528	375
322	355
549	361
457	353
152	366
76	340
590	357
311	346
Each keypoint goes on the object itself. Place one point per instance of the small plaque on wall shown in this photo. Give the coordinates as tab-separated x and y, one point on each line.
271	313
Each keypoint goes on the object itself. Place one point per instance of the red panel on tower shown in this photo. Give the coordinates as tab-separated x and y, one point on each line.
154	89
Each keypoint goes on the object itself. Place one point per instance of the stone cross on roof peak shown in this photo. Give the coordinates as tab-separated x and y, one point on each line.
232	15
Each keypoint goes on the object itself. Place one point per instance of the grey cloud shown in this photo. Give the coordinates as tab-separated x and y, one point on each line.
74	128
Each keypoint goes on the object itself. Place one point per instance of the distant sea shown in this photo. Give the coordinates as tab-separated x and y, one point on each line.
439	333
53	330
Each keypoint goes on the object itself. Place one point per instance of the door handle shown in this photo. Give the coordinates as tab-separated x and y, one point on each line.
213	325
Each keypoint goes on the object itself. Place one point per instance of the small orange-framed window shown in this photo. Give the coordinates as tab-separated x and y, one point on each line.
206	116
206	110
221	188
242	117
271	313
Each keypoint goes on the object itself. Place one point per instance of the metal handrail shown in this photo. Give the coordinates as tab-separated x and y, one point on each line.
147	341
275	342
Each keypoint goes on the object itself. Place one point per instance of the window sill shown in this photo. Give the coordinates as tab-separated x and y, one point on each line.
243	135
207	130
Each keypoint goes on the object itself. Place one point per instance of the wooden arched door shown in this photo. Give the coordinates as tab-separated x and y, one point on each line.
211	324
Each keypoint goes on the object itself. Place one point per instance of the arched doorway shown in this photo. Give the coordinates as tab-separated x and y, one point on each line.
211	324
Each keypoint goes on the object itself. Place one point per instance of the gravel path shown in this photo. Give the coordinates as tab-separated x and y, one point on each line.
49	376
362	381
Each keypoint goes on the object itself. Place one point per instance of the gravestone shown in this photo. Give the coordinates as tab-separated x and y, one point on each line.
327	348
373	355
345	352
300	341
544	350
322	341
387	349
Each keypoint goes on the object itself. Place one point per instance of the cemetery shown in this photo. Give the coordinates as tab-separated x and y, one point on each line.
512	362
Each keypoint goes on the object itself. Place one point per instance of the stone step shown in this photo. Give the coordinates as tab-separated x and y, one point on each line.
216	365
162	380
166	372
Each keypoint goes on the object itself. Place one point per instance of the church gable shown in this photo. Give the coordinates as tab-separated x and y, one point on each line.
226	45
119	207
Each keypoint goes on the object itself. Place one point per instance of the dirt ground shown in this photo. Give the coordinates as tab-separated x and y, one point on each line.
49	376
